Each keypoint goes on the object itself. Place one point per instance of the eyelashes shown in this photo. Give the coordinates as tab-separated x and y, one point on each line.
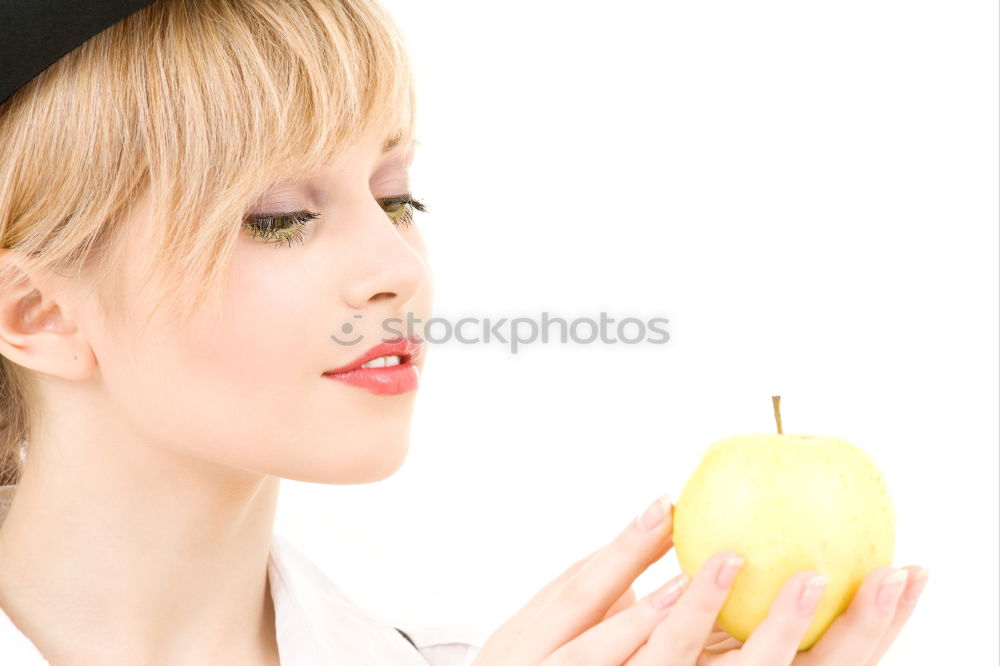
279	229
404	205
290	227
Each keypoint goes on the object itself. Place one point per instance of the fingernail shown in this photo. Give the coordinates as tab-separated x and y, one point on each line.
811	593
889	590
666	596
728	571
655	514
917	586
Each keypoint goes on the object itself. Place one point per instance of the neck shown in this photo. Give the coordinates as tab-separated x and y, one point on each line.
155	557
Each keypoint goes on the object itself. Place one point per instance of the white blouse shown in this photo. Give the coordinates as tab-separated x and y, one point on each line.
316	623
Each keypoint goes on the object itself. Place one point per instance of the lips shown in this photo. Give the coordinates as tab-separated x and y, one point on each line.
407	349
389	379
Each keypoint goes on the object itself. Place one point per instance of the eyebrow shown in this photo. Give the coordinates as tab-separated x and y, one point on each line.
391	143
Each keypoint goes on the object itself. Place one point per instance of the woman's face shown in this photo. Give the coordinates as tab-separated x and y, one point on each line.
250	392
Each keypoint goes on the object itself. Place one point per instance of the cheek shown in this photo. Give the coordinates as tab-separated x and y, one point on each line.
265	350
261	340
242	383
237	384
268	330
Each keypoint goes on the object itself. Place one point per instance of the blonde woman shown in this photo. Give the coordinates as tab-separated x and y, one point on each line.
194	195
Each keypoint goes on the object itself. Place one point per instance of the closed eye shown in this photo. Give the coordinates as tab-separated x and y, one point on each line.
279	228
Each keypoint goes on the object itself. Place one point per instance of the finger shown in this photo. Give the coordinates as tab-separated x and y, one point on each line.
854	635
606	576
719	636
517	622
614	640
680	638
722	647
576	602
623	602
907	602
776	639
544	596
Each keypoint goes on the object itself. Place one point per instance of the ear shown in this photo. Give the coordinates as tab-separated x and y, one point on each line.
35	330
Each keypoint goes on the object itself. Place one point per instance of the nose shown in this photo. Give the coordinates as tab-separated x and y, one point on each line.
385	267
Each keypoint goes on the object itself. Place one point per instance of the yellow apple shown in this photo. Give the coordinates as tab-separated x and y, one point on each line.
786	503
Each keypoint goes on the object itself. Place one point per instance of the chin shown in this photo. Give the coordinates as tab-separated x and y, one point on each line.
391	457
375	461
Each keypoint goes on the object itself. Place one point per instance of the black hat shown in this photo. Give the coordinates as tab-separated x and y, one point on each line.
36	33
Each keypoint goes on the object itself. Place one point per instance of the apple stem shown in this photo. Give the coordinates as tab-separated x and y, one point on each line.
775	400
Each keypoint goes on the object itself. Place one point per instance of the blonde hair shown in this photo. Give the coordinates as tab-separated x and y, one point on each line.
204	102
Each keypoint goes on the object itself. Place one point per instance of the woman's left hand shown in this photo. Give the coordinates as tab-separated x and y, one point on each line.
860	636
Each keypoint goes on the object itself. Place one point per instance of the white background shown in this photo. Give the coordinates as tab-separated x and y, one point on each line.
808	191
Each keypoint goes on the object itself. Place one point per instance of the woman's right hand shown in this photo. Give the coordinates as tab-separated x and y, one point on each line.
594	596
587	616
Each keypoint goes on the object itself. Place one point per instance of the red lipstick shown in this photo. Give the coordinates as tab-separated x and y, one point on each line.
388	379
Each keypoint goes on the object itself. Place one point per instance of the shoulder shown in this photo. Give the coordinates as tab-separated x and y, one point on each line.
444	644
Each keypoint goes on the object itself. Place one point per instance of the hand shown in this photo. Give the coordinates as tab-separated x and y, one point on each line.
594	592
588	616
858	637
